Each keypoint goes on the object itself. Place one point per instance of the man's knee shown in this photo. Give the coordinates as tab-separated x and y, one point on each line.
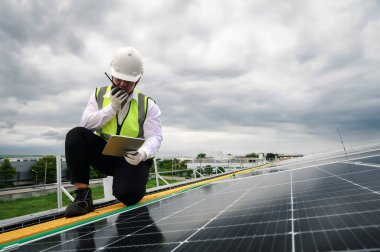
129	198
75	133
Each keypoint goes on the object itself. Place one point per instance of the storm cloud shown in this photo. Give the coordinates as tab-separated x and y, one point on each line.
231	76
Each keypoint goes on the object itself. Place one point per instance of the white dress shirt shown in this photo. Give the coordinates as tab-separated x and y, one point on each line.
94	119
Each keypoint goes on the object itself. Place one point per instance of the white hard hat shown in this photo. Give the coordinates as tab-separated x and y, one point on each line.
127	64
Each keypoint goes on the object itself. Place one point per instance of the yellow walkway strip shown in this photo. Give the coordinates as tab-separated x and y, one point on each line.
22	233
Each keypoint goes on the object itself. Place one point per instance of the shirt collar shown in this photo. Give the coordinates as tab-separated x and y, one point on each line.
134	95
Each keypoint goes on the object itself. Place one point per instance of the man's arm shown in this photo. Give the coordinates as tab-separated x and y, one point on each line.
93	118
152	130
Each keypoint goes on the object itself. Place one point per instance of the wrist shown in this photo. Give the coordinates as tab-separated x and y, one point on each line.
108	110
115	108
143	154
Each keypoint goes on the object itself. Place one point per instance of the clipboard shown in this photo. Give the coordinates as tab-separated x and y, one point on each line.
117	145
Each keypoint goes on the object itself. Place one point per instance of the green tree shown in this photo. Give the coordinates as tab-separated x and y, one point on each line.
200	156
208	169
175	164
220	170
7	172
165	165
199	171
252	155
271	156
188	173
182	164
94	173
38	169
180	173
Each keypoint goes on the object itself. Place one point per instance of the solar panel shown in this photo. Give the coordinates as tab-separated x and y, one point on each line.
319	204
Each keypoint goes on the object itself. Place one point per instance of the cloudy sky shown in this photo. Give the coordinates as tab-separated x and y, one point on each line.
231	76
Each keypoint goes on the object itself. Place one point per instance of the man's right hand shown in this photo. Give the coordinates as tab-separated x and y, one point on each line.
118	97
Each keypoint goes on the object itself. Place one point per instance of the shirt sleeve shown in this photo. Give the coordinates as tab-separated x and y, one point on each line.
93	118
152	130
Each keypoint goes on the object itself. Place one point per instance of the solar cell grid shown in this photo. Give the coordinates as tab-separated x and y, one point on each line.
371	160
330	158
327	207
364	154
346	168
255	243
324	226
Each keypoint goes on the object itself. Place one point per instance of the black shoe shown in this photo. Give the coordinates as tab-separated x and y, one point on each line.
82	204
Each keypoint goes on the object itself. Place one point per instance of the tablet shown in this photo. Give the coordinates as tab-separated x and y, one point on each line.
117	145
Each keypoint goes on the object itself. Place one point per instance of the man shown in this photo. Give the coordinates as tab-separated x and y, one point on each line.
119	109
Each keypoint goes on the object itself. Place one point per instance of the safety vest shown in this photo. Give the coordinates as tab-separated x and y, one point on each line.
132	125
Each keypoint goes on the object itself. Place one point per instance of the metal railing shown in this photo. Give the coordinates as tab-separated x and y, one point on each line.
199	172
60	188
182	174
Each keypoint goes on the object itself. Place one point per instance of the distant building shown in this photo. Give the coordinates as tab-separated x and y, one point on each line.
229	163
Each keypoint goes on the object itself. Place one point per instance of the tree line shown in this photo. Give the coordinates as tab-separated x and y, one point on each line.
48	164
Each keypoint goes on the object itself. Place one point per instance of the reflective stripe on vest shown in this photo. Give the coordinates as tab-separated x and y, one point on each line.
133	122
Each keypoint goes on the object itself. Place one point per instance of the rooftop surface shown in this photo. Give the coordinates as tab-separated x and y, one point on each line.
321	202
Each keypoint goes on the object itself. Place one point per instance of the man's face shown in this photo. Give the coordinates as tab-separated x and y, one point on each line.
127	86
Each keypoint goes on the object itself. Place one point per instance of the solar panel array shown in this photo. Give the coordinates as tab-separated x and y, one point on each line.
323	204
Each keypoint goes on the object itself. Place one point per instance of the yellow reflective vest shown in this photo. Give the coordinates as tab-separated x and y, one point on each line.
133	122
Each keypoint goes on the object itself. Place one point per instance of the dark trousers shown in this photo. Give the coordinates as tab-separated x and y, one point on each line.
83	148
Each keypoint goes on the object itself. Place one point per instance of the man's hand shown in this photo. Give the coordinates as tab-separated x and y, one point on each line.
135	157
118	98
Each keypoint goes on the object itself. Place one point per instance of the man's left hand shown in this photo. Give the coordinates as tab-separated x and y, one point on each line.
135	157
